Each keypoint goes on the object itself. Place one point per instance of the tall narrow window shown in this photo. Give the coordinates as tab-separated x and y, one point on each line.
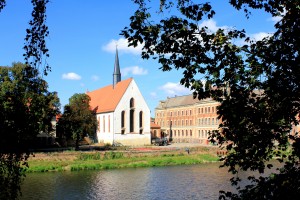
191	133
131	117
109	123
103	124
123	122
98	121
141	121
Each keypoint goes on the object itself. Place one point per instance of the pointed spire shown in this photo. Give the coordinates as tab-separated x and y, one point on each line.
117	73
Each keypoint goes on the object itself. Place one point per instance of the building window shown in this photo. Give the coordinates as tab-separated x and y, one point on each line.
198	110
109	123
202	110
205	110
191	123
123	122
171	114
186	112
103	124
174	133
208	109
178	113
186	133
190	112
131	116
212	121
141	121
202	132
198	133
182	123
98	121
132	103
208	121
182	133
182	112
212	109
186	122
191	133
205	133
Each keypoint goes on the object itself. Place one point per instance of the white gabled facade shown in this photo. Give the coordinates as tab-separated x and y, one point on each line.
129	123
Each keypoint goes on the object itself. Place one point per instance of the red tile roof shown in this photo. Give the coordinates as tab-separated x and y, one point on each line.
153	125
107	98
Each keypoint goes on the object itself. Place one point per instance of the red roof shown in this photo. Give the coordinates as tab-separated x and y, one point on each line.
153	125
107	98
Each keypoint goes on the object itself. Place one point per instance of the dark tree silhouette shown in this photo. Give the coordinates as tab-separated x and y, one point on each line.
78	120
26	109
257	83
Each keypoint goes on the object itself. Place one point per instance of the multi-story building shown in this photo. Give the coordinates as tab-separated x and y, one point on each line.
185	119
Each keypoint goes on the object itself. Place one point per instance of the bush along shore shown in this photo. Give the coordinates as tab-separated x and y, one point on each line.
100	160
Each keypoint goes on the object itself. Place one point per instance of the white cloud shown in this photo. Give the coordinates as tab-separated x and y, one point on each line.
71	76
153	94
259	36
212	25
134	70
122	47
175	89
275	19
95	78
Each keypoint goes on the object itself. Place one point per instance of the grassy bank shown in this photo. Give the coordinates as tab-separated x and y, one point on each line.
74	161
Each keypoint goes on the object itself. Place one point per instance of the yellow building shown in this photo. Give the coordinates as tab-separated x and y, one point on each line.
185	119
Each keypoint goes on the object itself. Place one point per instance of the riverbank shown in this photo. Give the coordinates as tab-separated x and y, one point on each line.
120	158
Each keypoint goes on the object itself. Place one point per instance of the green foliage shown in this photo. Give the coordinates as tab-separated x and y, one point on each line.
27	108
256	82
113	155
78	120
89	156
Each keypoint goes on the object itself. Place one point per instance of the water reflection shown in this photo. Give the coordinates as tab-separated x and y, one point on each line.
176	182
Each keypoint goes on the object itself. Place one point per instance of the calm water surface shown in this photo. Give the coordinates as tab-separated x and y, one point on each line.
176	182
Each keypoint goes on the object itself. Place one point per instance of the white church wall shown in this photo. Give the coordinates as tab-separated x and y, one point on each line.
134	138
105	127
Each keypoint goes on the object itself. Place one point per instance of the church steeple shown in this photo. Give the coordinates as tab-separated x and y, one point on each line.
117	73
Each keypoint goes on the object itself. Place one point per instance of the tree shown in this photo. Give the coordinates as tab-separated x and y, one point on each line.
26	109
257	83
35	47
78	120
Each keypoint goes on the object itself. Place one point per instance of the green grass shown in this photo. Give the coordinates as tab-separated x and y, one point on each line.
115	160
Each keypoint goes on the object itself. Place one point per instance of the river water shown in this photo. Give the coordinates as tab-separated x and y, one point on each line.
158	183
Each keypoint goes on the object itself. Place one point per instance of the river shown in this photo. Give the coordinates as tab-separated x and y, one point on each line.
158	183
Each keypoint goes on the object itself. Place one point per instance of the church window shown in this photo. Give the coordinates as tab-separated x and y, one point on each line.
123	122
131	116
98	121
103	124
109	123
131	103
141	121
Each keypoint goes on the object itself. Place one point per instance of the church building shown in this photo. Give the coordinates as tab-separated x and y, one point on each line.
122	113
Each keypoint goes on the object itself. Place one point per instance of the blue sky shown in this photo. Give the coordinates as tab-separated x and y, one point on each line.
82	40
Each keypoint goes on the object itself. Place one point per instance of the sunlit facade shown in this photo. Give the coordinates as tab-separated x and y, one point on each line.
185	119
